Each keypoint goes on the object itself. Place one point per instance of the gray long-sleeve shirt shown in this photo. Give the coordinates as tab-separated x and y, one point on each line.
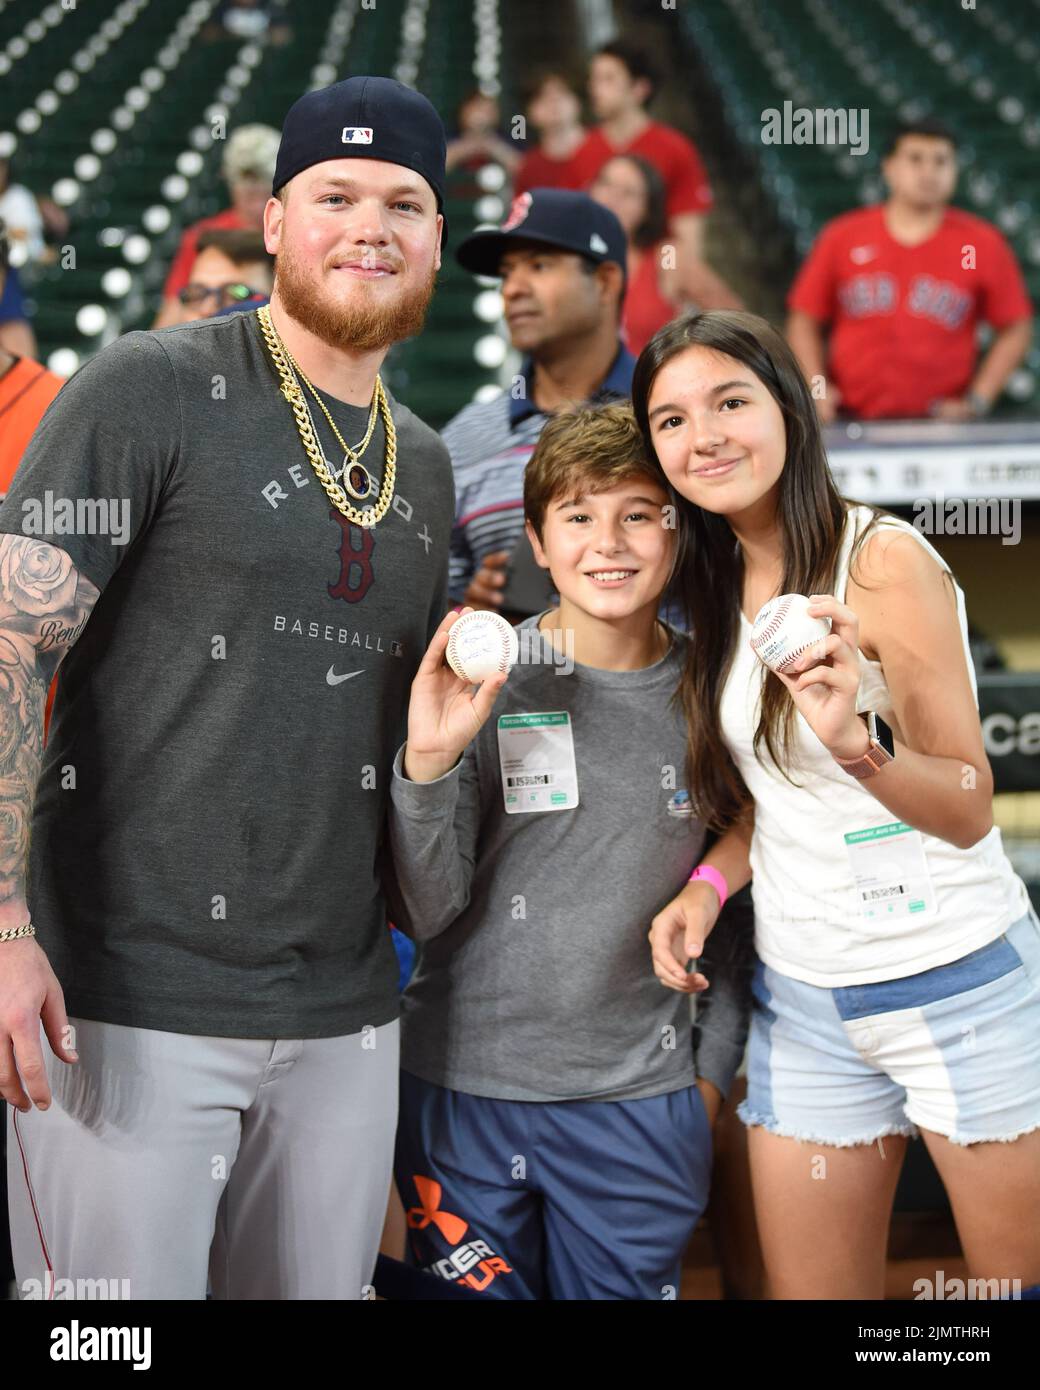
533	979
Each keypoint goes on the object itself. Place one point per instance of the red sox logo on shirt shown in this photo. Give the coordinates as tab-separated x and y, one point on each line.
356	543
518	210
877	292
355	561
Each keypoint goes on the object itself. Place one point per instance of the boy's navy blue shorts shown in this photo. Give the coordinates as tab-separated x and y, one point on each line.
551	1200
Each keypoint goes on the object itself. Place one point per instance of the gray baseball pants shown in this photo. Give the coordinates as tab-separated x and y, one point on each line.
166	1158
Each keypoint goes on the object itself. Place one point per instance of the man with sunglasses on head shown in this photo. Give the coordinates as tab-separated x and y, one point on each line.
229	268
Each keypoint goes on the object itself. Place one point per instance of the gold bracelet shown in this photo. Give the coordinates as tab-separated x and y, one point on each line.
13	933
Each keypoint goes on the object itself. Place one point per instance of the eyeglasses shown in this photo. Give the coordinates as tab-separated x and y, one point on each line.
232	293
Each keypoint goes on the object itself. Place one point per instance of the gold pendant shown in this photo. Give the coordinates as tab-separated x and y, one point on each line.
357	479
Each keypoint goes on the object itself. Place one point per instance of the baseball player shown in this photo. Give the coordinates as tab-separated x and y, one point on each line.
235	543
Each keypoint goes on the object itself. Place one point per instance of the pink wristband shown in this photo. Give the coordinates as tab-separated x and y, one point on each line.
712	876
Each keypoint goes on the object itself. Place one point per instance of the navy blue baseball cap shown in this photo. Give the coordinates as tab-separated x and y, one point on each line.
555	217
363	118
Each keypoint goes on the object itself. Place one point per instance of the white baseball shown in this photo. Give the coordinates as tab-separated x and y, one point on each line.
784	631
481	644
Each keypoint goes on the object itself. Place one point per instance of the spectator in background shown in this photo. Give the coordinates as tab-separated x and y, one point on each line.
902	288
32	219
29	220
622	80
660	285
229	267
16	333
553	108
26	390
478	141
23	216
248	168
23	219
562	261
249	19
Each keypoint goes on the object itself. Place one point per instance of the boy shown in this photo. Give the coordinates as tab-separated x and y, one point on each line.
554	1139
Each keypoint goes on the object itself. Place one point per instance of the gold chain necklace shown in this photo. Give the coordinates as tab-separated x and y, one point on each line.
355	477
293	393
351	454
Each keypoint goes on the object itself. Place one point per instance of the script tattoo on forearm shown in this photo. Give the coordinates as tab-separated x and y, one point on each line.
44	603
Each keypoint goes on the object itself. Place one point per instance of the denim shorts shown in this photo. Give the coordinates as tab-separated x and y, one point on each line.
955	1050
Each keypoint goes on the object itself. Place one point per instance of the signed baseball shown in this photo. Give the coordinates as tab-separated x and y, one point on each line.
784	632
481	644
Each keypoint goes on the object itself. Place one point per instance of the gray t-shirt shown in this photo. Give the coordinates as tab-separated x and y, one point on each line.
231	709
533	979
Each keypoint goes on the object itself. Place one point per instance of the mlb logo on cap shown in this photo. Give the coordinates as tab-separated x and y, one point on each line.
597	243
356	135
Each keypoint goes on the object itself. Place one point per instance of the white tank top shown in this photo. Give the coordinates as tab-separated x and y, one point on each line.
832	920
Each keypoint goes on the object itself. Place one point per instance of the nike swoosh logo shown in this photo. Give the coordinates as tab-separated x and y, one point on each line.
333	679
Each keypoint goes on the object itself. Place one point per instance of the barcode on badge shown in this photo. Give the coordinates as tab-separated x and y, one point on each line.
891	890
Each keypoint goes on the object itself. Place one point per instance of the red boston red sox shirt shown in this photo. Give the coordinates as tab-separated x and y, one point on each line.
645	308
903	318
676	159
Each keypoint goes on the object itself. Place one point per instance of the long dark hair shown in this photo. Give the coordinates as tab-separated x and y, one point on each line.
810	514
654	225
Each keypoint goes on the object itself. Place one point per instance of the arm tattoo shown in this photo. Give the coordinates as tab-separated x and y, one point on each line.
44	603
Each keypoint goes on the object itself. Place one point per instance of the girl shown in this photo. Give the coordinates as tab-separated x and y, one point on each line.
658	288
899	980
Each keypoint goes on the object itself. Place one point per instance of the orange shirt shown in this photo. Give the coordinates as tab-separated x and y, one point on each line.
26	390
